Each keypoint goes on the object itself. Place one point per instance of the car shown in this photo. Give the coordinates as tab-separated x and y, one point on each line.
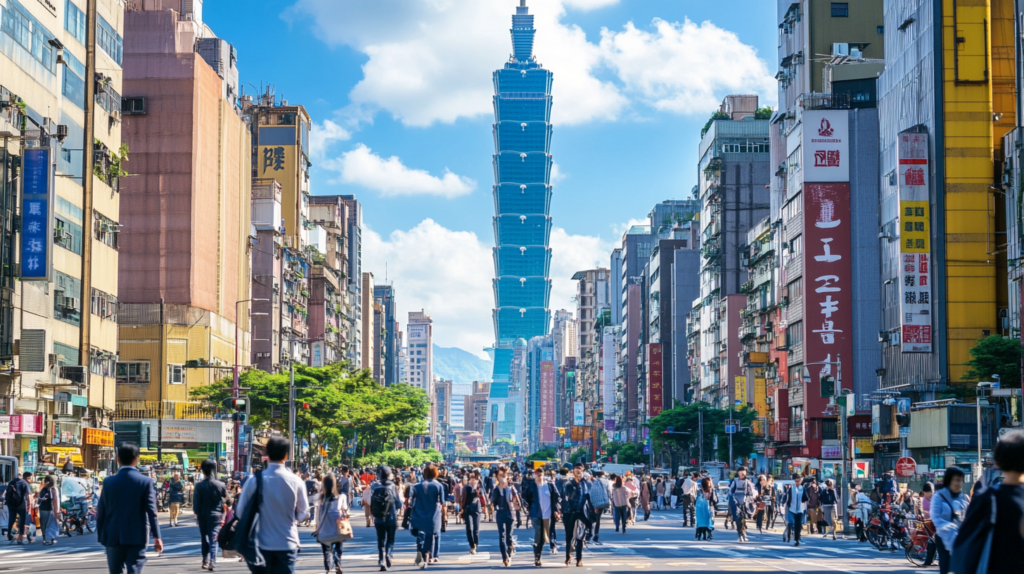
723	501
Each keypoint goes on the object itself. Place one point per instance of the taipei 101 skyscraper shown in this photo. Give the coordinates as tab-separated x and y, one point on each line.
522	196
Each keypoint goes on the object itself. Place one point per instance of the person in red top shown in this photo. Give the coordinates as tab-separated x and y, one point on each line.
366	478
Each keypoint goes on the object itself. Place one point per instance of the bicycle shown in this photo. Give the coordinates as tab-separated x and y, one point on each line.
922	535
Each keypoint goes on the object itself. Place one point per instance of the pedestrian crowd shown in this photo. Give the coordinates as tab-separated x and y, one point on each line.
256	519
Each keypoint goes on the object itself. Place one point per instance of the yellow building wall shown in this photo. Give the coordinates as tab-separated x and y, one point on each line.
974	69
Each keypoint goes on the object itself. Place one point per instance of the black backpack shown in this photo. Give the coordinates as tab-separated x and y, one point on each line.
12	495
382	502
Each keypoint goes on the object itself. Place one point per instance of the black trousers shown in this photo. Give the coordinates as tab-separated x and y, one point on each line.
594	528
472	520
385	537
570	521
130	559
943	556
505	536
689	510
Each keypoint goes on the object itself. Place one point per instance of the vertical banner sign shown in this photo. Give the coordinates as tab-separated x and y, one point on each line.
656	399
578	417
36	215
608	370
828	303
915	244
318	353
547	401
739	390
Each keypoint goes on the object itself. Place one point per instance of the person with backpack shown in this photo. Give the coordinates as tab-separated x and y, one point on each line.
385	501
281	504
542	499
470	502
794	504
210	507
600	501
333	507
17	498
990	539
504	500
742	497
949	505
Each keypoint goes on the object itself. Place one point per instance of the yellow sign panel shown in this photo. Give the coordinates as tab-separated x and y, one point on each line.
914	228
279	162
761	396
863	446
99	437
740	389
62	453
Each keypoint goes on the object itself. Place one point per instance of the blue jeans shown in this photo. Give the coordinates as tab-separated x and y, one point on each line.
427	542
276	562
505	537
209	527
130	559
332	555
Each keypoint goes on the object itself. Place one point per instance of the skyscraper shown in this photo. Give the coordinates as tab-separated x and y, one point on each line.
522	195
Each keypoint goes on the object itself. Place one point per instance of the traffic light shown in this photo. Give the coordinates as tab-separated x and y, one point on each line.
234	404
670	430
305	406
828	386
243	418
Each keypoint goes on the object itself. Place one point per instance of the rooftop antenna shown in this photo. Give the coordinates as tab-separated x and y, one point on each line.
522	3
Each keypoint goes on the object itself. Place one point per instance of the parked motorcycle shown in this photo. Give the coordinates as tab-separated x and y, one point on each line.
78	515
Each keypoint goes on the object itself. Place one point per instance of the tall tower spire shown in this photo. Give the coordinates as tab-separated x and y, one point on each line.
522	33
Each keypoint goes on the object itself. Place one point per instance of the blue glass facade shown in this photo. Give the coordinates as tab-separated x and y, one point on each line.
522	194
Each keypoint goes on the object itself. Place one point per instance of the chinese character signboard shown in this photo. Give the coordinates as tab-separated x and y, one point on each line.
915	244
760	396
825	146
36	215
547	401
99	437
655	400
828	303
317	348
739	391
608	379
578	417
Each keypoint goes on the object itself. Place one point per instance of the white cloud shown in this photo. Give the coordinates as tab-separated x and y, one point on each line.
569	254
431	61
392	178
448	273
685	68
325	134
620	229
556	174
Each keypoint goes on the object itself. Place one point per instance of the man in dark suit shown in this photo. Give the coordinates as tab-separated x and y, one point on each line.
126	515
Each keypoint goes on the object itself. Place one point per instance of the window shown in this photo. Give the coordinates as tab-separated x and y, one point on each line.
794	334
133	372
74	21
830	429
104	305
796	246
30	34
880	30
102	364
67	299
840	9
105	230
74	80
68	235
795	290
108	39
175	374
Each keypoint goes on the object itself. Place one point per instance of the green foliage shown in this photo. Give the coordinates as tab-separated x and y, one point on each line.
150	459
507	441
114	169
714	116
629	453
684	419
581	454
543	454
763	113
342	404
401	458
995	355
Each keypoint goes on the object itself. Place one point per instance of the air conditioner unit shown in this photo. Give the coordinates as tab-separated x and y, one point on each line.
64	408
115	115
62	132
58	300
74	303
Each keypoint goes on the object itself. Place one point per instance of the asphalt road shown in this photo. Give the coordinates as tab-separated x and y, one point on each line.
657	546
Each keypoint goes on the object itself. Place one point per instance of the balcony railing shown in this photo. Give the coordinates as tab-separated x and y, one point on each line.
131	410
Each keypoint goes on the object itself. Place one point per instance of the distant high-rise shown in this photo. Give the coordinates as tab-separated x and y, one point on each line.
522	194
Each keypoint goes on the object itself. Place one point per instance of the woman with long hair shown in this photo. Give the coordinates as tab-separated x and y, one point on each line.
620	501
470	503
49	505
425	509
333	506
706	501
829	501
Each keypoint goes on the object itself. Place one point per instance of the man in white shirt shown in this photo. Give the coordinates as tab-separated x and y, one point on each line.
284	505
689	501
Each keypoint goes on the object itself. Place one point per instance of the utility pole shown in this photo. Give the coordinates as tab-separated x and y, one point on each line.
84	331
291	413
730	440
700	441
163	375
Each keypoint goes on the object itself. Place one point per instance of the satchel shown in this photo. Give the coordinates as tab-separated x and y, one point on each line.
972	549
342	525
246	538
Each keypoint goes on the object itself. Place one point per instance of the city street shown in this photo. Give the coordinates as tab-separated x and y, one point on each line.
657	546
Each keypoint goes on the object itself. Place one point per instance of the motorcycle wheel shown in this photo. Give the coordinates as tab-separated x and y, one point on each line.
877	539
67	527
916	554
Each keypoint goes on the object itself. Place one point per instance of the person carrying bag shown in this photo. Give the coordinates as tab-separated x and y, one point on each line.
332	525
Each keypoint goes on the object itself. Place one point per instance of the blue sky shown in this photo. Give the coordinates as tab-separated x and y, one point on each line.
400	92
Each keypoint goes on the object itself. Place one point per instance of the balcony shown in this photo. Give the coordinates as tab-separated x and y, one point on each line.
754	358
133	410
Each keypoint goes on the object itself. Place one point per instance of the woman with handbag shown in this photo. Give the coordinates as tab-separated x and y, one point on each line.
49	504
742	496
332	525
705	503
828	499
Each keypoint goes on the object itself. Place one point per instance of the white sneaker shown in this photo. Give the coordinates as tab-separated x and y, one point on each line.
419	558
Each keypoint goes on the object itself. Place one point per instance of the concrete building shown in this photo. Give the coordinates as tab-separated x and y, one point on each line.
367	329
67	242
329	281
734	172
421	358
184	266
353	275
444	438
385	296
476	407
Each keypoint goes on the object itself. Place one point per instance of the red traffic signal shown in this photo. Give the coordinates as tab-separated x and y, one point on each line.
305	406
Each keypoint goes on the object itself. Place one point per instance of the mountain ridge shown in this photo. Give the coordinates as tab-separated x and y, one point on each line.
460	365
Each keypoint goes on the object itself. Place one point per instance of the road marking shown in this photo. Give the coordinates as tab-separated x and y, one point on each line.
687	564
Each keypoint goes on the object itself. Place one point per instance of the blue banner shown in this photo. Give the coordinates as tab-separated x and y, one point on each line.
36	215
